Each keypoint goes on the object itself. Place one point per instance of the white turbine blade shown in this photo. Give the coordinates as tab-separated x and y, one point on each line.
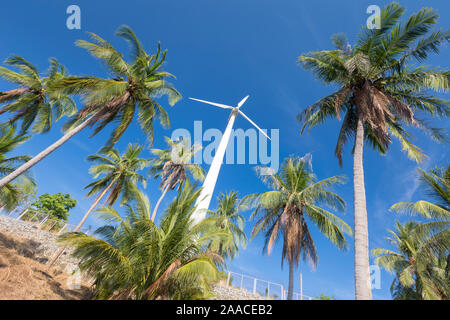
224	106
242	102
243	114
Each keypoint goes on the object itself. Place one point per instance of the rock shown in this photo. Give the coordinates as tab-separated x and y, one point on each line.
42	243
230	293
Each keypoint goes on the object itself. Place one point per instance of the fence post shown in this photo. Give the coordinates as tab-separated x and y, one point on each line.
60	230
242	281
31	220
23	213
254	286
268	289
43	220
228	278
54	224
301	286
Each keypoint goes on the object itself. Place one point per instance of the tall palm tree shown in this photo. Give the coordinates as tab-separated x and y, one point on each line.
133	89
421	270
36	102
12	193
173	165
379	92
227	219
294	199
120	177
140	260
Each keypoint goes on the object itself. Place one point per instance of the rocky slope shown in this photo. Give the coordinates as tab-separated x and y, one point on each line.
27	245
41	243
22	276
230	293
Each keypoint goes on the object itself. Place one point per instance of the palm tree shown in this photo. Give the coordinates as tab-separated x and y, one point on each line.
12	193
422	262
227	219
173	165
36	101
133	89
379	92
295	196
421	270
119	177
437	183
139	260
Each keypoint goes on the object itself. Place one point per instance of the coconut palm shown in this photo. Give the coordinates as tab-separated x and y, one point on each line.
36	102
420	265
227	219
139	260
437	183
173	166
120	177
424	246
293	201
12	193
379	92
132	89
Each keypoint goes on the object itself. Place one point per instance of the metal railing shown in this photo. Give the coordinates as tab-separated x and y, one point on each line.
44	221
264	288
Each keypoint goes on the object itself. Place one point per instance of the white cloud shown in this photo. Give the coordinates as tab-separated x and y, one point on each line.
80	145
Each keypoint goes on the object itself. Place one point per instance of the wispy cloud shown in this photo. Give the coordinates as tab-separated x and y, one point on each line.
410	179
247	269
313	30
81	145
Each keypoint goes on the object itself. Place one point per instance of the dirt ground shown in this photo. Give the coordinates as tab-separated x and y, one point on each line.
23	277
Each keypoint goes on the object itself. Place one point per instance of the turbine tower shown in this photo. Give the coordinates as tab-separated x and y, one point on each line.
202	203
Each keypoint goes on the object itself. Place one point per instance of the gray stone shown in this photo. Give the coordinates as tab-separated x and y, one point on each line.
42	243
231	293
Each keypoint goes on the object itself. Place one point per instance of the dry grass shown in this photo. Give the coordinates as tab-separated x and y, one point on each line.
24	277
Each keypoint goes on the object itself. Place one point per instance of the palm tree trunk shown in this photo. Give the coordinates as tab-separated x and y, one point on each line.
36	159
362	272
11	94
291	280
166	188
97	200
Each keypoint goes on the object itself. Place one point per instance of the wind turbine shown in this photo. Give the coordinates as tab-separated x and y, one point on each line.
202	203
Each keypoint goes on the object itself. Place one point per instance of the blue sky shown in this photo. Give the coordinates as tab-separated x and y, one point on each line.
222	51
